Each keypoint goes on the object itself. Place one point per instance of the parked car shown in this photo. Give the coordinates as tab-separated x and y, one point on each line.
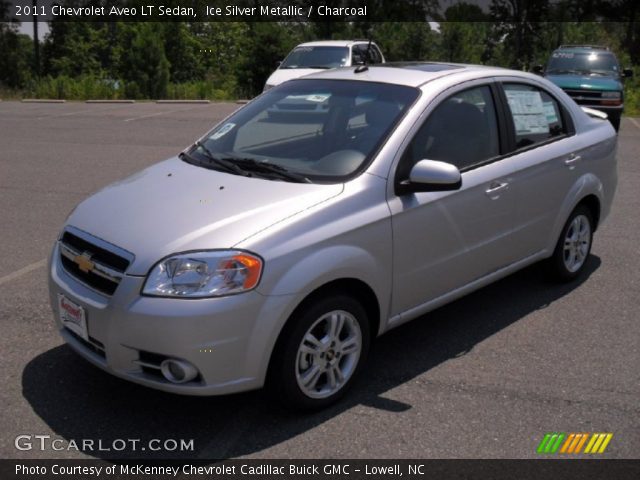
591	75
312	57
273	251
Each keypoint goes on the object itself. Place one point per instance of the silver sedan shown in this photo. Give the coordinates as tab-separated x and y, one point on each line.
322	214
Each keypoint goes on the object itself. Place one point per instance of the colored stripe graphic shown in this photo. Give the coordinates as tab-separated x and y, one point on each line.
551	442
598	442
581	443
572	443
543	443
567	443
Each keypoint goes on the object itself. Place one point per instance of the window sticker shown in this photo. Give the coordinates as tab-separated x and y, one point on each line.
226	128
318	97
527	109
550	112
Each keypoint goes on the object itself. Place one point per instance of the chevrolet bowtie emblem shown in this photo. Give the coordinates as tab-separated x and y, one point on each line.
84	262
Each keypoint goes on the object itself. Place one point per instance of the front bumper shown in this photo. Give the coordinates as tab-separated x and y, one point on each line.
228	339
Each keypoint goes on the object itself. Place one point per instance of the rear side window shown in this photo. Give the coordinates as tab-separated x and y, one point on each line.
461	130
536	115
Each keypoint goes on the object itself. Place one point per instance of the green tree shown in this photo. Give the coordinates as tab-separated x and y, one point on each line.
15	51
183	52
518	27
266	43
74	48
464	34
406	41
144	65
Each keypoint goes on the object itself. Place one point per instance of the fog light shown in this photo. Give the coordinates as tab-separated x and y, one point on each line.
178	371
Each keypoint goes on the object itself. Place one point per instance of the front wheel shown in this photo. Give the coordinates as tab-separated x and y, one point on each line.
321	352
574	246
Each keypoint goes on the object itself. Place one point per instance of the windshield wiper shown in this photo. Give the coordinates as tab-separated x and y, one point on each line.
224	163
270	168
317	66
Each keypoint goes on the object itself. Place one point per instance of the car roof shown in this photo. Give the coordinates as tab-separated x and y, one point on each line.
332	43
412	74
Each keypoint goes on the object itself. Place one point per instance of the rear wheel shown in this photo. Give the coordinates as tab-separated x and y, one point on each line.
321	353
574	245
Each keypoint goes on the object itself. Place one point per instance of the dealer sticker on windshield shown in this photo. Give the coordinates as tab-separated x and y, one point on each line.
226	128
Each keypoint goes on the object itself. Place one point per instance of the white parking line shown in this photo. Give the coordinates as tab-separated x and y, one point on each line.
68	114
162	113
23	271
151	115
634	121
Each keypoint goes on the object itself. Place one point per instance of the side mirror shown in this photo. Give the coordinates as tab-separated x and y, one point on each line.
627	73
432	176
538	69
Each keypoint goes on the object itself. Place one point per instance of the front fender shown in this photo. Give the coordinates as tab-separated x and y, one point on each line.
331	263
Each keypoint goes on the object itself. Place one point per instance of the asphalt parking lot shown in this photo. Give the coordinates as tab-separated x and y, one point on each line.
484	377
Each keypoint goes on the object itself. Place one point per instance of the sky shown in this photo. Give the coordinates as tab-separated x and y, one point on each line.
27	27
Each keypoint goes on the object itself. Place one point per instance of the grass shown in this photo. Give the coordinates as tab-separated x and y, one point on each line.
93	88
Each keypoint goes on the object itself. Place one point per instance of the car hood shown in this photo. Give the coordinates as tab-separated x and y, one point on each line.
282	75
586	82
174	207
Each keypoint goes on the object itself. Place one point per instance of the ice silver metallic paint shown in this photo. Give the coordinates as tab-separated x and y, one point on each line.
415	252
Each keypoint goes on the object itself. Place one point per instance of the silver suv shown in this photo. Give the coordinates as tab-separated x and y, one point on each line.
274	249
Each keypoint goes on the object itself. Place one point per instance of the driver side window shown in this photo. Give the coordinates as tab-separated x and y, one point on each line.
461	130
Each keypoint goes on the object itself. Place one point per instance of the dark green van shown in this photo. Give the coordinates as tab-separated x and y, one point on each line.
591	75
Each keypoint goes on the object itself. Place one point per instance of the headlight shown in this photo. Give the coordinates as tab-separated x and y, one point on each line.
204	274
612	95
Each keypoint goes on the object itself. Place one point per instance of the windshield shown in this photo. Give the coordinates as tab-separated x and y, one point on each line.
306	130
316	57
583	63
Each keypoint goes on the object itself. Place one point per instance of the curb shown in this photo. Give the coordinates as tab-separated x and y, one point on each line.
42	100
109	101
242	102
183	101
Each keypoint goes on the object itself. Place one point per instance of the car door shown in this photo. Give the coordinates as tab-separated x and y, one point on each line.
444	240
548	157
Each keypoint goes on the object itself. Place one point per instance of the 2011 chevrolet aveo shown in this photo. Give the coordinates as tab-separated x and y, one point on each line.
325	212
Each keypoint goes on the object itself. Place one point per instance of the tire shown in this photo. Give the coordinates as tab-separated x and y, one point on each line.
573	247
313	366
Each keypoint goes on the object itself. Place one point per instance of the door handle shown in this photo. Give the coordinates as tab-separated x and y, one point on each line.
572	159
496	187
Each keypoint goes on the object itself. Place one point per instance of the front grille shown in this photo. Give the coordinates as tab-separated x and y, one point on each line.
99	254
92	264
585	97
